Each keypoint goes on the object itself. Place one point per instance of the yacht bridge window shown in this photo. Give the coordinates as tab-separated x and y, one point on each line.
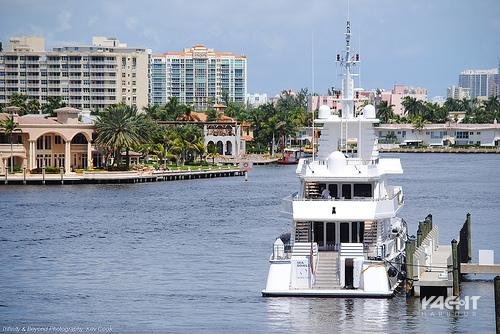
314	190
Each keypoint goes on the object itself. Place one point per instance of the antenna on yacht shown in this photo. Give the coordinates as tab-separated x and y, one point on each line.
312	93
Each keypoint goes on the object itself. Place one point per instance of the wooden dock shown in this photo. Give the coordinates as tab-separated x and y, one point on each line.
476	268
428	262
434	269
120	177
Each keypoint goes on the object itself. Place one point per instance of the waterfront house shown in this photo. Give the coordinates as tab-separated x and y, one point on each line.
226	134
41	141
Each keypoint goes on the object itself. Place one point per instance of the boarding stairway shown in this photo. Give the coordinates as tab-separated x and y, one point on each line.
370	238
312	190
327	271
302	231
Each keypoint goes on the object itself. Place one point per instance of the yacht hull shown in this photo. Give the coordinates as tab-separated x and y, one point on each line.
342	293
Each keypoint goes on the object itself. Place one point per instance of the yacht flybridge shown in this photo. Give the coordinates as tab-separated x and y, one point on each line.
347	239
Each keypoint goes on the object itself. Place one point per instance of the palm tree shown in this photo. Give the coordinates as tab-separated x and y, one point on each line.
452	104
19	100
172	109
384	112
199	147
118	127
160	152
53	103
33	107
187	115
412	106
154	111
418	123
9	126
212	152
179	147
492	108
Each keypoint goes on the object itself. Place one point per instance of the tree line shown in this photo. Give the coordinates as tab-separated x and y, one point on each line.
122	128
418	112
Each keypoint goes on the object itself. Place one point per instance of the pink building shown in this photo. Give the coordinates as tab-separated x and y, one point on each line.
399	92
394	97
314	102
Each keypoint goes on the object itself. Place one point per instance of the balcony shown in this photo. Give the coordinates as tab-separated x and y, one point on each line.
16	148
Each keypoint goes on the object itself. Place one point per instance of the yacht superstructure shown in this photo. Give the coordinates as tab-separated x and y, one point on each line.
347	239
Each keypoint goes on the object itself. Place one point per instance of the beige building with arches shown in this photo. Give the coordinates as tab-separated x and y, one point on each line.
63	141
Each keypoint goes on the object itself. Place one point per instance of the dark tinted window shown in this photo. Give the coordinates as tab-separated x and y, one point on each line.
363	190
346	191
333	189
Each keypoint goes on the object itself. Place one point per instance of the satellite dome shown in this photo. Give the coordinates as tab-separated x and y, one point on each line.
324	111
369	111
336	162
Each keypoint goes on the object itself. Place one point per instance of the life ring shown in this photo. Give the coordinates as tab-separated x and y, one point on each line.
245	164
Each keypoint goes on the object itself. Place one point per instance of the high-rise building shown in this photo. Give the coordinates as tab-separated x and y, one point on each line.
480	82
85	77
198	76
157	79
458	93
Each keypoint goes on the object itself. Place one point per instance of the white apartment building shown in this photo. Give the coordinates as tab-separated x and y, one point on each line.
256	99
85	77
442	134
198	76
158	79
482	83
458	93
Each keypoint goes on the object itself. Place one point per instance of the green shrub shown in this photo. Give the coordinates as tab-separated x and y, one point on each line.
48	170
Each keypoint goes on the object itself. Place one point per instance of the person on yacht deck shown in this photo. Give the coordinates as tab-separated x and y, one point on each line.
325	194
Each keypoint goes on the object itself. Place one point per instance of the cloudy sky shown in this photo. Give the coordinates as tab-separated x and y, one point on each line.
424	42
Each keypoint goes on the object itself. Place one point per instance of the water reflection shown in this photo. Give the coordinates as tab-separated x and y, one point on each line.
327	314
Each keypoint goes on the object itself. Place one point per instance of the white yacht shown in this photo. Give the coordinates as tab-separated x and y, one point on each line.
347	240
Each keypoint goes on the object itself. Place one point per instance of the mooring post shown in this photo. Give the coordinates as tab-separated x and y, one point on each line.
497	302
419	234
469	241
24	175
43	175
6	177
410	250
62	175
246	176
456	263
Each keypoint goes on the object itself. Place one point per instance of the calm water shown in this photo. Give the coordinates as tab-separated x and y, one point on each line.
192	255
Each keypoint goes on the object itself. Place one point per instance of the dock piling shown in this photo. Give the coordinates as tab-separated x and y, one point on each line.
456	265
410	250
497	302
420	233
24	175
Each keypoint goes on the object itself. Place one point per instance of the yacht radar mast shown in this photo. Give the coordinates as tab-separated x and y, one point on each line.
347	62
